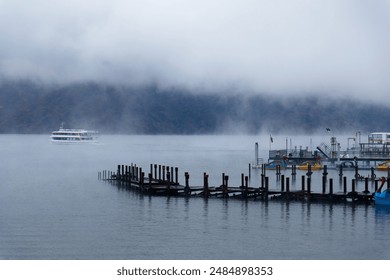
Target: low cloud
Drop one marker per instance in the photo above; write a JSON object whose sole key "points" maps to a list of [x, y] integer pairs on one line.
{"points": [[269, 46]]}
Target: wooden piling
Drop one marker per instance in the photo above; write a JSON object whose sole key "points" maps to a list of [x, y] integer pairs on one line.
{"points": [[205, 185], [262, 181], [373, 175], [309, 172], [142, 176], [287, 185], [330, 186], [324, 178], [293, 170], [225, 187], [242, 186], [325, 171], [130, 174], [168, 181], [187, 189], [323, 184], [366, 185], [246, 185], [341, 171], [187, 178], [345, 184]]}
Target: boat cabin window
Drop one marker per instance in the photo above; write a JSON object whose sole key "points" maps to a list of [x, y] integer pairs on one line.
{"points": [[379, 138]]}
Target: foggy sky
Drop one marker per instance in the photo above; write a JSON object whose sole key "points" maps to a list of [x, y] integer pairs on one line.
{"points": [[268, 46]]}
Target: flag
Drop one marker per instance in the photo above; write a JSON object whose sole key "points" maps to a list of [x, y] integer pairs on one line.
{"points": [[328, 129], [271, 139]]}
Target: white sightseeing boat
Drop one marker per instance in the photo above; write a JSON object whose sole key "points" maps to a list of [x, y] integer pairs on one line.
{"points": [[74, 136]]}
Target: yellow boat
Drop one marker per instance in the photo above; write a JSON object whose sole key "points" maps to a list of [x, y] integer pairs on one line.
{"points": [[383, 166], [314, 166]]}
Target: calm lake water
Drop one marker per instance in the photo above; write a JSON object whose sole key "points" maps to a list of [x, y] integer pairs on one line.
{"points": [[52, 205]]}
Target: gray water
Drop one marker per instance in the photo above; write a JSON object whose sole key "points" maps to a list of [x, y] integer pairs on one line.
{"points": [[52, 206]]}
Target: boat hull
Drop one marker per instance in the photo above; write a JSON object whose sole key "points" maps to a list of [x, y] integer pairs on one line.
{"points": [[72, 142], [383, 167], [306, 167], [273, 165], [382, 198]]}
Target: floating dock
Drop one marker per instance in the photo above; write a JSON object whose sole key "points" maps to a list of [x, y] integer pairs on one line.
{"points": [[374, 153], [163, 181]]}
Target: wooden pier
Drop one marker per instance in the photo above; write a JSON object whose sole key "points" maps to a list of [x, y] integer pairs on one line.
{"points": [[163, 180]]}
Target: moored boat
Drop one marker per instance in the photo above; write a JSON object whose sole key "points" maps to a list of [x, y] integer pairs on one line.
{"points": [[383, 166], [74, 136], [313, 166], [382, 198], [275, 164]]}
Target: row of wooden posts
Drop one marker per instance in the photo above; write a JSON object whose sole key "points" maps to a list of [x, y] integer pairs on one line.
{"points": [[343, 179], [167, 177], [164, 180], [309, 172]]}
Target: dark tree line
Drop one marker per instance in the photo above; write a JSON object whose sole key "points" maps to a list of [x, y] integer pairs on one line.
{"points": [[27, 107]]}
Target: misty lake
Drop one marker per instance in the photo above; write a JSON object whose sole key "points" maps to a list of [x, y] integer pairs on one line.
{"points": [[52, 205]]}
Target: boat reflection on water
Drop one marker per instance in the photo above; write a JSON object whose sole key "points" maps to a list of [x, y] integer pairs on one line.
{"points": [[382, 211]]}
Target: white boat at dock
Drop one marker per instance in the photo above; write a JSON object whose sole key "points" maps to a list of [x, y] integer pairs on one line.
{"points": [[74, 136]]}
